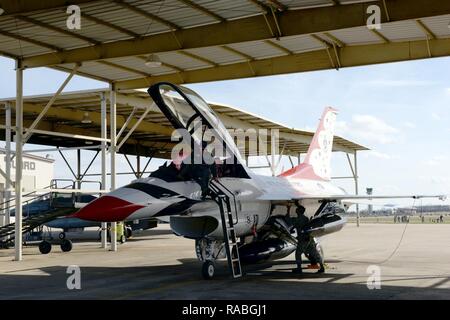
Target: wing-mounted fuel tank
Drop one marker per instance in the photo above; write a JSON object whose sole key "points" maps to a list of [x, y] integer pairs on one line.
{"points": [[326, 220], [203, 220], [325, 224]]}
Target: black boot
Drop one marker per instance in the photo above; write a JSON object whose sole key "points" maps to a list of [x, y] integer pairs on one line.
{"points": [[322, 269], [297, 271]]}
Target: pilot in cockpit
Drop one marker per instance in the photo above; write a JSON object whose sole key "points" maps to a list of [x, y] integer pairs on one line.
{"points": [[189, 165]]}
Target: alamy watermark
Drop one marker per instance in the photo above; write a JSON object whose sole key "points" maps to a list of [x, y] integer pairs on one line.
{"points": [[374, 19], [74, 280], [210, 145], [374, 279], [73, 22]]}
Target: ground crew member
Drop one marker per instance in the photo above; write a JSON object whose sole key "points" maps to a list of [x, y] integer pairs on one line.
{"points": [[120, 232], [305, 243]]}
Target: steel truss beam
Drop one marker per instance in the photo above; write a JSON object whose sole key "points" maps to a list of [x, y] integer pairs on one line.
{"points": [[349, 56], [291, 22]]}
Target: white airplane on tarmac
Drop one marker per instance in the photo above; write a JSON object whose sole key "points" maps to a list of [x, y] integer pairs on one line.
{"points": [[244, 215]]}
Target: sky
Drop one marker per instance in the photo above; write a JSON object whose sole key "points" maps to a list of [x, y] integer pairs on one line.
{"points": [[401, 111]]}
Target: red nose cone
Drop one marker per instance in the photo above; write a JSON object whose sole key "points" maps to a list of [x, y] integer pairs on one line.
{"points": [[107, 209]]}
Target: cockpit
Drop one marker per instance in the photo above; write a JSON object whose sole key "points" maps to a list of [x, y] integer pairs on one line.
{"points": [[204, 146], [170, 172]]}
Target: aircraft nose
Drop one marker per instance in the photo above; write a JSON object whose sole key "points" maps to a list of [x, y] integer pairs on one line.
{"points": [[107, 209]]}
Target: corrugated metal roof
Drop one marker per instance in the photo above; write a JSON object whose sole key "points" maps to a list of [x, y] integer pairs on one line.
{"points": [[124, 18], [217, 54], [138, 64], [404, 30], [19, 48], [301, 43], [182, 61], [143, 17], [299, 4], [175, 12], [355, 36], [230, 9], [439, 25], [258, 49], [104, 71]]}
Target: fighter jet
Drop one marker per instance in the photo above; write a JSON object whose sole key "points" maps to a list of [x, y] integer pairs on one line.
{"points": [[229, 210]]}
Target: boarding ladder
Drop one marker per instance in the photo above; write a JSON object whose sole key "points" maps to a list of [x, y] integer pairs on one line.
{"points": [[222, 196], [59, 207]]}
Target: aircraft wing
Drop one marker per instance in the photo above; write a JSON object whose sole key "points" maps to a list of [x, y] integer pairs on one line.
{"points": [[358, 199], [369, 197]]}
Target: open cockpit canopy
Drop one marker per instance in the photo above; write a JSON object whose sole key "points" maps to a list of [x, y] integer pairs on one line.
{"points": [[203, 138]]}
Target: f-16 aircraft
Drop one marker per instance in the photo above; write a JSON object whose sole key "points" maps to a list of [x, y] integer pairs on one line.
{"points": [[237, 214]]}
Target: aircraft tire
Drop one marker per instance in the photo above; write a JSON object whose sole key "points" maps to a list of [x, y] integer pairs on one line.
{"points": [[45, 247], [66, 245], [208, 270]]}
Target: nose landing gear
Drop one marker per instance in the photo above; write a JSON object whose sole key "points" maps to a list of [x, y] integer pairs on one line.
{"points": [[209, 251], [208, 270]]}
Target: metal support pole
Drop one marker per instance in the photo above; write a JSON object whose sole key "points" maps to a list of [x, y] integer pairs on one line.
{"points": [[131, 166], [104, 134], [89, 166], [67, 163], [127, 122], [112, 102], [138, 166], [274, 149], [78, 169], [130, 132], [146, 165], [272, 153], [355, 161], [19, 141], [49, 104], [78, 178], [292, 162], [8, 161]]}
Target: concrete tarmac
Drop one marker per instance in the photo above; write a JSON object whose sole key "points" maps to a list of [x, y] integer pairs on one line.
{"points": [[159, 265]]}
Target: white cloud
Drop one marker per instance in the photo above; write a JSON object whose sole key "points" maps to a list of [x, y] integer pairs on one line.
{"points": [[435, 116], [410, 125], [432, 162], [440, 180], [369, 128], [398, 83], [379, 155], [436, 160], [436, 180], [309, 128]]}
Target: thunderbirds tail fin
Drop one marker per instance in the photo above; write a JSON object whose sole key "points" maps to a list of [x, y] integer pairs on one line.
{"points": [[317, 164]]}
